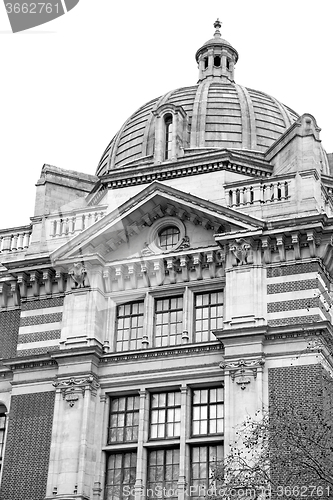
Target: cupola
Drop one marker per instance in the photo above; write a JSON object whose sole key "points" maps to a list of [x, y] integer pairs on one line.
{"points": [[216, 58]]}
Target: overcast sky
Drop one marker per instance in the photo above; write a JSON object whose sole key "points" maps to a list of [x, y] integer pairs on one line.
{"points": [[68, 86]]}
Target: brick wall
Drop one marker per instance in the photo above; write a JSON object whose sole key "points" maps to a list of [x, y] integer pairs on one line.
{"points": [[296, 397], [27, 451], [9, 328]]}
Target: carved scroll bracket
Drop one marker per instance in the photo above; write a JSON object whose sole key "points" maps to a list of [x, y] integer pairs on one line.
{"points": [[72, 388], [243, 371]]}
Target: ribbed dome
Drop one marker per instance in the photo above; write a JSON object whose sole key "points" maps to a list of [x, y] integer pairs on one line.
{"points": [[220, 115]]}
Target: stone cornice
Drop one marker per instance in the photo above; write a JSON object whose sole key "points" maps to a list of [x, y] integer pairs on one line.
{"points": [[188, 166], [181, 350]]}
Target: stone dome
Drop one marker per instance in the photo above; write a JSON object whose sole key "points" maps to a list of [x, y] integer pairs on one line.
{"points": [[220, 114]]}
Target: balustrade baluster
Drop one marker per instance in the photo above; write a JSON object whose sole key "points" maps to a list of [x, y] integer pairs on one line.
{"points": [[241, 196], [14, 243], [20, 241], [26, 240], [275, 191]]}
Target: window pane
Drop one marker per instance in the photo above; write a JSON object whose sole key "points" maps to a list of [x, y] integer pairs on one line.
{"points": [[121, 473], [207, 411], [202, 457], [129, 326], [123, 422]]}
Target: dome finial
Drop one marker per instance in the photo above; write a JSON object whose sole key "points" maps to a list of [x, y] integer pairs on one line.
{"points": [[217, 26]]}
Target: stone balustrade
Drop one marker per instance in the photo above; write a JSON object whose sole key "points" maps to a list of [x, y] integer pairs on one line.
{"points": [[69, 225], [15, 240], [258, 193]]}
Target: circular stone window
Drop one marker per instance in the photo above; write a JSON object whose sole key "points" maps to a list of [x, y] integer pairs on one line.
{"points": [[166, 235]]}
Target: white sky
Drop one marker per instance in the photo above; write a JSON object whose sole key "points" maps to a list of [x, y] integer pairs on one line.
{"points": [[68, 86]]}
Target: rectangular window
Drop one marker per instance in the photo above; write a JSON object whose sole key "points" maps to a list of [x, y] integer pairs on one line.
{"points": [[120, 476], [2, 435], [165, 415], [207, 411], [168, 321], [129, 326], [202, 460], [208, 315], [124, 420], [163, 474]]}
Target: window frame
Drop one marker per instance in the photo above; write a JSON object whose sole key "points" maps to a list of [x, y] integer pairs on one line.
{"points": [[3, 414], [131, 315], [122, 453], [168, 135], [125, 413], [195, 308], [168, 311], [167, 407], [153, 487], [208, 480], [208, 405]]}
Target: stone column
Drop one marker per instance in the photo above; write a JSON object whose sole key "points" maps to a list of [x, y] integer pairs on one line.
{"points": [[141, 464], [183, 436]]}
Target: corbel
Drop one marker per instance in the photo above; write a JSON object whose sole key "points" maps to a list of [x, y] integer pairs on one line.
{"points": [[35, 277], [15, 292], [147, 220], [158, 270], [120, 276], [194, 219], [210, 256], [170, 210], [197, 262], [280, 243], [132, 272], [107, 277], [205, 223], [184, 267], [22, 281], [170, 265], [295, 240], [47, 279], [60, 279], [311, 237], [266, 246], [181, 214], [158, 212], [4, 289]]}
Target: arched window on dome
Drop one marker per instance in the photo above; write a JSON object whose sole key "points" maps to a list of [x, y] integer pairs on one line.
{"points": [[168, 125], [206, 62], [217, 61], [228, 64], [3, 412]]}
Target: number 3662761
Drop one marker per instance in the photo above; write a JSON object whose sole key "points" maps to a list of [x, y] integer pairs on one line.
{"points": [[32, 8]]}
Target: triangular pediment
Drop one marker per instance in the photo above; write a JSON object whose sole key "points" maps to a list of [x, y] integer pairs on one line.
{"points": [[129, 230]]}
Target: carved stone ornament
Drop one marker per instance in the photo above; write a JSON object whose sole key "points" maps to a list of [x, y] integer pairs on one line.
{"points": [[185, 243], [78, 274], [241, 250], [241, 371], [72, 388], [146, 250]]}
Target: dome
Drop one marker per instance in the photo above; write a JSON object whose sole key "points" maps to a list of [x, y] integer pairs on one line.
{"points": [[219, 114]]}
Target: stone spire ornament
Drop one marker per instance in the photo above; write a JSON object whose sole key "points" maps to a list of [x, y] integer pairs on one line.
{"points": [[217, 26]]}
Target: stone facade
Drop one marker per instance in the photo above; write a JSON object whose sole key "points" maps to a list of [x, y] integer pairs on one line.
{"points": [[148, 309]]}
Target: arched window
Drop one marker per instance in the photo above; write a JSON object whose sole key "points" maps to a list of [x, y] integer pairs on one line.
{"points": [[228, 64], [206, 62], [168, 136], [217, 61], [3, 411]]}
